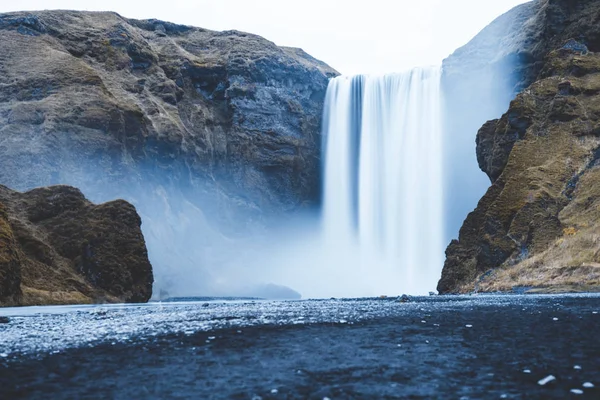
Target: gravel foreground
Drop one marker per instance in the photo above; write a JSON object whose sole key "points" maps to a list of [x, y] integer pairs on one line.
{"points": [[446, 347]]}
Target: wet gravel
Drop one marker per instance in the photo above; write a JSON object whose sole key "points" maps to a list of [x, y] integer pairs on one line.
{"points": [[469, 347]]}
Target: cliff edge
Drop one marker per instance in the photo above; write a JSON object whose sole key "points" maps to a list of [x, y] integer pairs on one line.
{"points": [[536, 228]]}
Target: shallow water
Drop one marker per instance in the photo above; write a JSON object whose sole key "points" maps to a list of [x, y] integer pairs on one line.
{"points": [[431, 347]]}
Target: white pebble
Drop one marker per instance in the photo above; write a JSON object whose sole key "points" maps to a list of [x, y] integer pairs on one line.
{"points": [[399, 345], [588, 385], [424, 322], [469, 326], [554, 319], [3, 355], [343, 321], [427, 341], [274, 391], [577, 367], [211, 338], [595, 312], [326, 398], [527, 371], [546, 380], [504, 396], [576, 391], [436, 324]]}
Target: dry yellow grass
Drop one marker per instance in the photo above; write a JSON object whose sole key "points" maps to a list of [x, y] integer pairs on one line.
{"points": [[33, 296], [571, 262]]}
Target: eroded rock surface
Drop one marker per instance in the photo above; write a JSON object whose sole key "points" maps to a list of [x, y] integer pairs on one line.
{"points": [[58, 248]]}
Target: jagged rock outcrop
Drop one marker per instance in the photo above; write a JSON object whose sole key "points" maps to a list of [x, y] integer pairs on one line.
{"points": [[208, 133], [58, 248], [537, 225]]}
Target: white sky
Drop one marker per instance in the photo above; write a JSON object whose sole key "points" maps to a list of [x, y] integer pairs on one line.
{"points": [[352, 36]]}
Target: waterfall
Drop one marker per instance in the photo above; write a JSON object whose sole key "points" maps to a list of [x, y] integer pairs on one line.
{"points": [[383, 187]]}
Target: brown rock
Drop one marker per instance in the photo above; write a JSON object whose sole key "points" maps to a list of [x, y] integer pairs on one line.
{"points": [[58, 248], [536, 226], [10, 264]]}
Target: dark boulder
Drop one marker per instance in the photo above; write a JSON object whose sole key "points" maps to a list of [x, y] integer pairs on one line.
{"points": [[57, 247]]}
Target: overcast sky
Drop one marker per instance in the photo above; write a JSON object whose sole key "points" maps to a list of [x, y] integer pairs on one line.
{"points": [[352, 36]]}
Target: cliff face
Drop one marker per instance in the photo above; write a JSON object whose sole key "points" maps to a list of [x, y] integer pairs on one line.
{"points": [[203, 131], [95, 88], [536, 225], [58, 248]]}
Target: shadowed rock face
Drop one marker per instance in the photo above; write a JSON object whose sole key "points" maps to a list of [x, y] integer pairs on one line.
{"points": [[537, 224], [95, 90], [210, 132], [58, 248]]}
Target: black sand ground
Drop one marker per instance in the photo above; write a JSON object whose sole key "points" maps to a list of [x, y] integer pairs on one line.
{"points": [[463, 352]]}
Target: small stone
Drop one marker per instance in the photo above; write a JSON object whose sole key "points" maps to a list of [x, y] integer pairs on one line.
{"points": [[554, 319], [546, 380], [205, 305], [577, 367], [575, 46], [211, 338], [594, 312], [564, 88], [4, 320], [427, 341], [469, 326], [588, 385], [527, 371], [274, 391], [404, 298], [3, 355], [424, 322], [576, 391], [343, 321]]}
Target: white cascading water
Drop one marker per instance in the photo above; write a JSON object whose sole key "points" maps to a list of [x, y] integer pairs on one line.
{"points": [[383, 188]]}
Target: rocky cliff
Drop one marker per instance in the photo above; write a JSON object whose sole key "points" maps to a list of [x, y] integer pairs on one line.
{"points": [[536, 226], [209, 134], [58, 248]]}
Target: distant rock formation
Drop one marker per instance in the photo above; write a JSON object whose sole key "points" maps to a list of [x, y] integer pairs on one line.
{"points": [[58, 248], [538, 224], [205, 132]]}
